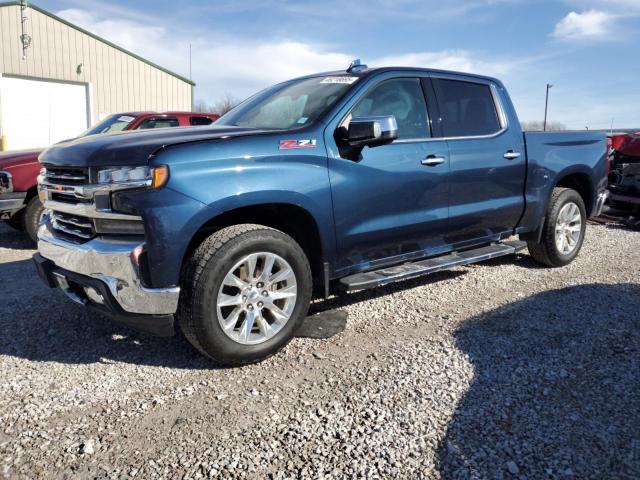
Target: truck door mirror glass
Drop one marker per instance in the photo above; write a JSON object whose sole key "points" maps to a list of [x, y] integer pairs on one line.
{"points": [[366, 132]]}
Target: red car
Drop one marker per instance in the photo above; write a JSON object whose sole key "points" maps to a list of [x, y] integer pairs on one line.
{"points": [[19, 203], [624, 174]]}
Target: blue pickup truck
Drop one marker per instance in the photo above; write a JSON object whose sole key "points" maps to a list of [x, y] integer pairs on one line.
{"points": [[324, 184]]}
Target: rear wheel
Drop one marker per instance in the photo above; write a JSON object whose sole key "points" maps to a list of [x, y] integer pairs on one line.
{"points": [[31, 218], [246, 289], [563, 230]]}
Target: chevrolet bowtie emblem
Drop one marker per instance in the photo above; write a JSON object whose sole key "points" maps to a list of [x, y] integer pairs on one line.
{"points": [[58, 188]]}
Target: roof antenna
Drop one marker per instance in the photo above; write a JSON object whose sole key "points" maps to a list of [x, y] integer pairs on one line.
{"points": [[356, 66]]}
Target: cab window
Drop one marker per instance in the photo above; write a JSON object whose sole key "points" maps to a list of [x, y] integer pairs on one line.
{"points": [[402, 98], [467, 109], [200, 121], [158, 122]]}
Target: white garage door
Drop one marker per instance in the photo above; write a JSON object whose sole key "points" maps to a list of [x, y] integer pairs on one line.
{"points": [[39, 113]]}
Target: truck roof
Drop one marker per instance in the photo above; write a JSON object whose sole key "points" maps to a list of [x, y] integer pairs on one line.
{"points": [[367, 72], [139, 114]]}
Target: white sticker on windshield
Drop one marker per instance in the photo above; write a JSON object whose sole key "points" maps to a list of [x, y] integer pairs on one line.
{"points": [[125, 118], [347, 80], [302, 120]]}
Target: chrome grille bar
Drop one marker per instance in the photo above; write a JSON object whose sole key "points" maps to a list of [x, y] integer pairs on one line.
{"points": [[81, 222], [66, 177], [75, 232], [87, 210]]}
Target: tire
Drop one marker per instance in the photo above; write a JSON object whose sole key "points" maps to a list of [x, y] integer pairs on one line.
{"points": [[547, 252], [203, 283], [31, 218]]}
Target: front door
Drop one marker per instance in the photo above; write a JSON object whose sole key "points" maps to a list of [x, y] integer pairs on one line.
{"points": [[487, 161], [391, 204]]}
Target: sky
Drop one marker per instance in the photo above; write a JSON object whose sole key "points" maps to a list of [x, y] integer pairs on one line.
{"points": [[587, 49]]}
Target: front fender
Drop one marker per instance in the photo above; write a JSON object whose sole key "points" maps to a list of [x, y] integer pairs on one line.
{"points": [[24, 173], [240, 179]]}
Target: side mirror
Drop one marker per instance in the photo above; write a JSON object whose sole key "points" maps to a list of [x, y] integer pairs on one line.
{"points": [[365, 132], [372, 131]]}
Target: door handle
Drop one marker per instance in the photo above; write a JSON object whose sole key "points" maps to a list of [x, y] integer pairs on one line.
{"points": [[511, 155], [432, 161]]}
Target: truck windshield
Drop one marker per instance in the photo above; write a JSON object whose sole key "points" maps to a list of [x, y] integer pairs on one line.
{"points": [[290, 105], [111, 124]]}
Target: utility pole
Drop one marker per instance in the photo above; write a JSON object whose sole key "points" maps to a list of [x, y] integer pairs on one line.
{"points": [[546, 107], [190, 76]]}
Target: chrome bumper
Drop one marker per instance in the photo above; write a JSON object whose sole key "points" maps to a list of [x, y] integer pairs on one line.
{"points": [[600, 201], [10, 203], [109, 261]]}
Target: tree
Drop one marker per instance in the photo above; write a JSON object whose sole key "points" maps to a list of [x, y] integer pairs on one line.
{"points": [[220, 107], [201, 106], [226, 103], [537, 126]]}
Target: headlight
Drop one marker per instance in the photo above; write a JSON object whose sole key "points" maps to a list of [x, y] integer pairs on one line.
{"points": [[124, 174], [6, 182], [151, 176]]}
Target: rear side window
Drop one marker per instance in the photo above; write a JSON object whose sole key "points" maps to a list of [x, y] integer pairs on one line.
{"points": [[467, 109], [402, 98], [158, 122], [200, 121]]}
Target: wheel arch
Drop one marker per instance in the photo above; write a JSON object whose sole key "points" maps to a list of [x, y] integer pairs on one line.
{"points": [[581, 183], [291, 219]]}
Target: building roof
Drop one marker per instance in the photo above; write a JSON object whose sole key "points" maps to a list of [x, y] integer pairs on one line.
{"points": [[100, 39]]}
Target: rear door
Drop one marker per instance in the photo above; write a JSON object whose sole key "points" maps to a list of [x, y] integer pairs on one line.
{"points": [[487, 160], [391, 204]]}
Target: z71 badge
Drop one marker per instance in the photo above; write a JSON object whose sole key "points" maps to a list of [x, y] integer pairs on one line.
{"points": [[289, 144]]}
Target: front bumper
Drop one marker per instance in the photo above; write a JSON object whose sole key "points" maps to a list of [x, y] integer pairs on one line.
{"points": [[11, 203], [621, 198], [101, 273]]}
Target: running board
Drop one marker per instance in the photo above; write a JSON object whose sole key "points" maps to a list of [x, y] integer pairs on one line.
{"points": [[377, 278]]}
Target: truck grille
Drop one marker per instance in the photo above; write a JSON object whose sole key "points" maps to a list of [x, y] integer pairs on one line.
{"points": [[74, 226], [67, 175], [81, 207], [67, 225]]}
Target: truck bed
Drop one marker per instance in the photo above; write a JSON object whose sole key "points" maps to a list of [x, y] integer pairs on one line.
{"points": [[552, 156]]}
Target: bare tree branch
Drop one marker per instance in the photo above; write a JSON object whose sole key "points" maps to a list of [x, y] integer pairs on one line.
{"points": [[220, 107], [537, 126]]}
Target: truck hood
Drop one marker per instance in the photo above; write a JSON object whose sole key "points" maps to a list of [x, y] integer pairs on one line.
{"points": [[18, 158], [133, 147]]}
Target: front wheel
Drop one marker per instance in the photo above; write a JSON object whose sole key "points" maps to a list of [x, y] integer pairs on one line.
{"points": [[563, 230], [245, 291], [31, 218]]}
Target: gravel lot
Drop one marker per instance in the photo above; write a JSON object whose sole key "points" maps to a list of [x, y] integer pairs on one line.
{"points": [[501, 370]]}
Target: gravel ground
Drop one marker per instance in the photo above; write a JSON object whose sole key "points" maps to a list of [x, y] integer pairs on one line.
{"points": [[501, 370]]}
